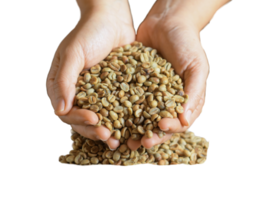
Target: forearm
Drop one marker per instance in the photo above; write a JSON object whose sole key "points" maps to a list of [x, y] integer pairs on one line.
{"points": [[197, 12]]}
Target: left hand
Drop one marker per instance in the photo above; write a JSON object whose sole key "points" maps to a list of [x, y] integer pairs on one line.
{"points": [[179, 43]]}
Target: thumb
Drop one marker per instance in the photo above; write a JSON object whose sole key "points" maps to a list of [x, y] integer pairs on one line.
{"points": [[195, 85], [63, 88]]}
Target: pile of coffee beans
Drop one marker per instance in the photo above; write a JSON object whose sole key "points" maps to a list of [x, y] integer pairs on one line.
{"points": [[131, 90]]}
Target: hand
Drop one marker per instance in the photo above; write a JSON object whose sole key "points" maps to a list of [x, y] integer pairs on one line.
{"points": [[179, 43], [104, 25]]}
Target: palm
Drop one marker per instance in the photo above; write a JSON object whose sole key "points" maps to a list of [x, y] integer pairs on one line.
{"points": [[95, 39], [176, 44], [103, 40], [180, 45], [89, 43]]}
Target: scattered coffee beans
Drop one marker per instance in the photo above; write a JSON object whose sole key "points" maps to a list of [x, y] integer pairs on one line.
{"points": [[182, 148]]}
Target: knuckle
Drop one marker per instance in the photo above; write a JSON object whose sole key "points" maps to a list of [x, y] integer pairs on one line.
{"points": [[61, 81], [60, 84], [73, 52]]}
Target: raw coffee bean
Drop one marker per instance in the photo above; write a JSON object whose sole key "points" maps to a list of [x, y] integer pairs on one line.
{"points": [[179, 109], [179, 99], [116, 156], [117, 124], [117, 135], [113, 115], [138, 113], [124, 86], [141, 130], [94, 160], [153, 104], [141, 79], [134, 98], [165, 113], [118, 109], [123, 148], [154, 111], [148, 133]]}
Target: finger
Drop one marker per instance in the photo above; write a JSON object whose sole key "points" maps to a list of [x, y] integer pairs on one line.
{"points": [[93, 132], [190, 62], [85, 131], [133, 144], [63, 87], [49, 83], [198, 110], [79, 116], [170, 125], [195, 84], [97, 133], [195, 90], [112, 143], [150, 142]]}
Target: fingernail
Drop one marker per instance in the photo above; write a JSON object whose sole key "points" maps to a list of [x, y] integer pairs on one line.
{"points": [[167, 129], [60, 105], [110, 148], [100, 138], [188, 117], [88, 123]]}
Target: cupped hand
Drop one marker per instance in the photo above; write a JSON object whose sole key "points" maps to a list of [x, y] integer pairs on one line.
{"points": [[179, 43], [99, 30]]}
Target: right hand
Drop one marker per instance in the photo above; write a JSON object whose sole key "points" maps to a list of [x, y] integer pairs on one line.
{"points": [[178, 41], [104, 25]]}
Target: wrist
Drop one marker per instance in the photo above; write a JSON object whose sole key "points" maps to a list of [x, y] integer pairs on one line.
{"points": [[193, 13], [92, 6]]}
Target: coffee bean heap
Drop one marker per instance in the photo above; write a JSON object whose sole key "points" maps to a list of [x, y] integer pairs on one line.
{"points": [[131, 90]]}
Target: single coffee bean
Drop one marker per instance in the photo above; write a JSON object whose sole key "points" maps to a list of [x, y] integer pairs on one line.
{"points": [[148, 133]]}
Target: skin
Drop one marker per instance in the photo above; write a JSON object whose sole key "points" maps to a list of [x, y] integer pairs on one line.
{"points": [[180, 45], [98, 31], [172, 27]]}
